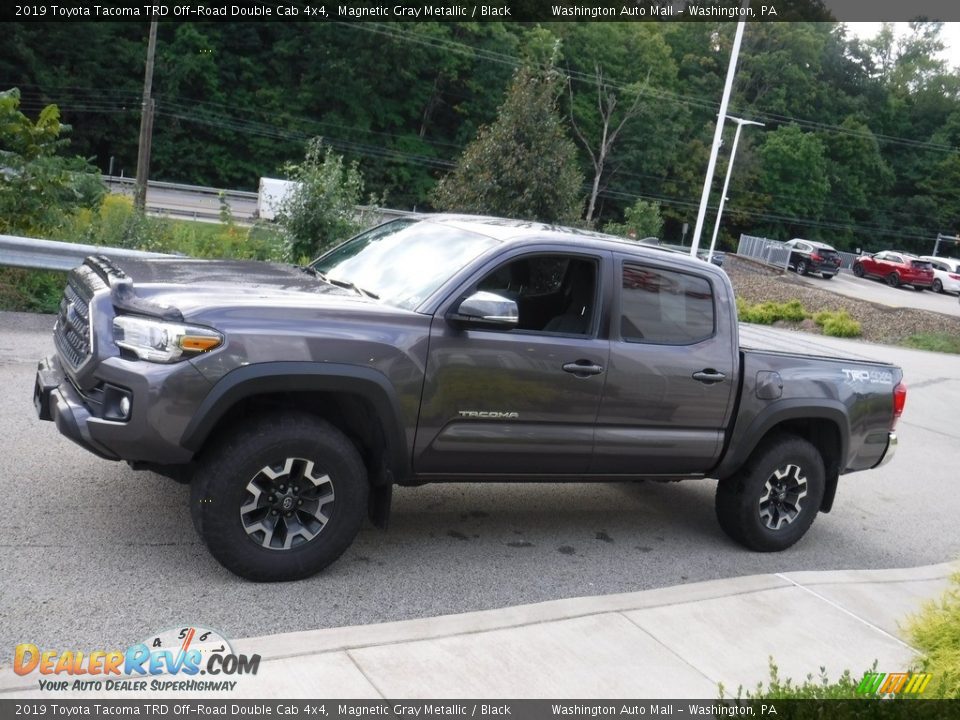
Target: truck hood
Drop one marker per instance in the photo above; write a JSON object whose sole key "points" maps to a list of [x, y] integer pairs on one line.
{"points": [[185, 288], [237, 274]]}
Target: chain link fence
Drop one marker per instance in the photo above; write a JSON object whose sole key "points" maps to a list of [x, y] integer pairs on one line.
{"points": [[770, 252]]}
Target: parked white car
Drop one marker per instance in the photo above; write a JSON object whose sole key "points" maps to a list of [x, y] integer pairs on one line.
{"points": [[946, 273]]}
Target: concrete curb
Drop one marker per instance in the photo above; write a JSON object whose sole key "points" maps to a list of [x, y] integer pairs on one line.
{"points": [[707, 632]]}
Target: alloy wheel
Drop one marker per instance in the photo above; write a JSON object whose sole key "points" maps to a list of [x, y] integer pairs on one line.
{"points": [[287, 504]]}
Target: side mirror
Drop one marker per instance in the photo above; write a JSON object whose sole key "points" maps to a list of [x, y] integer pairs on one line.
{"points": [[486, 309]]}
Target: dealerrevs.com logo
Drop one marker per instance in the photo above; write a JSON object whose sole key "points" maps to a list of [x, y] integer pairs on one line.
{"points": [[173, 660]]}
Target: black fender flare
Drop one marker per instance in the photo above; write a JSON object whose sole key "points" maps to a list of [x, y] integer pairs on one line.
{"points": [[293, 376], [744, 443]]}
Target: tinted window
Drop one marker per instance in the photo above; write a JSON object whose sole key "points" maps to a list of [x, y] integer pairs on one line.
{"points": [[665, 307], [554, 293]]}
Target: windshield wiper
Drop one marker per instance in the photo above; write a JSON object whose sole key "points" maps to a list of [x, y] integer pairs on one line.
{"points": [[349, 286], [339, 283]]}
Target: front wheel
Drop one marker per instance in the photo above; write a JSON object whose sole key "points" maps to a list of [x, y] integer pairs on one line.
{"points": [[279, 499], [858, 270], [773, 500], [937, 286]]}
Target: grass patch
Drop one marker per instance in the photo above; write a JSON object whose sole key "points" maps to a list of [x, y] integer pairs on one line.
{"points": [[936, 341]]}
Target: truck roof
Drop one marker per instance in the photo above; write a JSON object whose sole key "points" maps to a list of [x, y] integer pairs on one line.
{"points": [[519, 231]]}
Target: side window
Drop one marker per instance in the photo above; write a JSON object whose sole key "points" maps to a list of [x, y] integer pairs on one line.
{"points": [[554, 293], [664, 306]]}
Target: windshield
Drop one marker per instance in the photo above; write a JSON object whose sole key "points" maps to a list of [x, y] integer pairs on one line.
{"points": [[404, 261]]}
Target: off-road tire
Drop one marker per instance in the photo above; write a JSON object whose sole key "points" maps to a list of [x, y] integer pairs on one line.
{"points": [[739, 497], [236, 461]]}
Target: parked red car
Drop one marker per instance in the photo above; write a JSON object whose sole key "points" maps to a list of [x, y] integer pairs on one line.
{"points": [[896, 268]]}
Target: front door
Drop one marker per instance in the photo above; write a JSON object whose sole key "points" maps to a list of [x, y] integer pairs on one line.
{"points": [[518, 402]]}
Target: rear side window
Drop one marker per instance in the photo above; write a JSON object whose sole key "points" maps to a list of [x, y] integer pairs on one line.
{"points": [[665, 307]]}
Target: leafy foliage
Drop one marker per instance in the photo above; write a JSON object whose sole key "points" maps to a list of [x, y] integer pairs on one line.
{"points": [[321, 210], [858, 149], [524, 164], [936, 633], [641, 220], [38, 184]]}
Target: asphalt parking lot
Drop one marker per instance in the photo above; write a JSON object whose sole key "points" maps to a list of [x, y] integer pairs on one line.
{"points": [[95, 555], [846, 283]]}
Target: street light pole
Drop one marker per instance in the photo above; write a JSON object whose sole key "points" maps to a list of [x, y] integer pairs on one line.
{"points": [[718, 132], [146, 125], [726, 182]]}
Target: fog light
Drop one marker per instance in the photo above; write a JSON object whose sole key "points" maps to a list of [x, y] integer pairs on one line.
{"points": [[125, 406]]}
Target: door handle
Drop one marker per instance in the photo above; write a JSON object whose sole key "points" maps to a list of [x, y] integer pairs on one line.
{"points": [[582, 368], [709, 376]]}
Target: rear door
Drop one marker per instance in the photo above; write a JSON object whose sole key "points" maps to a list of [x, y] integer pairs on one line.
{"points": [[672, 372]]}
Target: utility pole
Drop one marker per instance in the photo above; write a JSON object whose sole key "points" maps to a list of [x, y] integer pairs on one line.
{"points": [[726, 182], [146, 125], [718, 133]]}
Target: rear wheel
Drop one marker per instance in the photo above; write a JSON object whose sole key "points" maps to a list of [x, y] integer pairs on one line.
{"points": [[893, 280], [775, 497], [802, 267], [280, 499], [858, 270], [937, 286]]}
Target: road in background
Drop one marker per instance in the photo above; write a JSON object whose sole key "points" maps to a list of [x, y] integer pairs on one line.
{"points": [[874, 291], [98, 556]]}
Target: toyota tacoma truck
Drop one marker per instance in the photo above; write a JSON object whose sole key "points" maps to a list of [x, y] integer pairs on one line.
{"points": [[447, 348]]}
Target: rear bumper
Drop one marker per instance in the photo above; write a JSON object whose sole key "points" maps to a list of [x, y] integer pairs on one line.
{"points": [[890, 451]]}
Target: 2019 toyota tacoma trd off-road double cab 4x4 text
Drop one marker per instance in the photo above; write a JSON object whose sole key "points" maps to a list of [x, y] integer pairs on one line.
{"points": [[447, 348]]}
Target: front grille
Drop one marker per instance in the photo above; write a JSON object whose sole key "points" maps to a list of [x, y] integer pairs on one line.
{"points": [[71, 334]]}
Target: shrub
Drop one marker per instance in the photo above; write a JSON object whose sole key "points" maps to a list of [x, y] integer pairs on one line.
{"points": [[767, 313], [837, 323], [936, 633]]}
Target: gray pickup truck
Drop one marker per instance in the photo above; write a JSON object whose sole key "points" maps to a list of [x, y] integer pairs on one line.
{"points": [[447, 348]]}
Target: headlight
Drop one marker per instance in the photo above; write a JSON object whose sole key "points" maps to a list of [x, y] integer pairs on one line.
{"points": [[162, 342]]}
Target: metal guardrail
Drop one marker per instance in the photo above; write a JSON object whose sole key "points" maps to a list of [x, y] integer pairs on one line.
{"points": [[53, 255], [196, 189], [771, 252]]}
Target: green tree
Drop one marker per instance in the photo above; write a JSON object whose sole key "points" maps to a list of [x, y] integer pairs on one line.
{"points": [[641, 220], [322, 208], [523, 165], [795, 177], [39, 185]]}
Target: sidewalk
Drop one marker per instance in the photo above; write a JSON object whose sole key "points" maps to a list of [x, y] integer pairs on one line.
{"points": [[676, 642]]}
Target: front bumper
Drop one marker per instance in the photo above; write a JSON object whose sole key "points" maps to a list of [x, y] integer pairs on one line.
{"points": [[163, 399], [56, 399], [890, 451]]}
